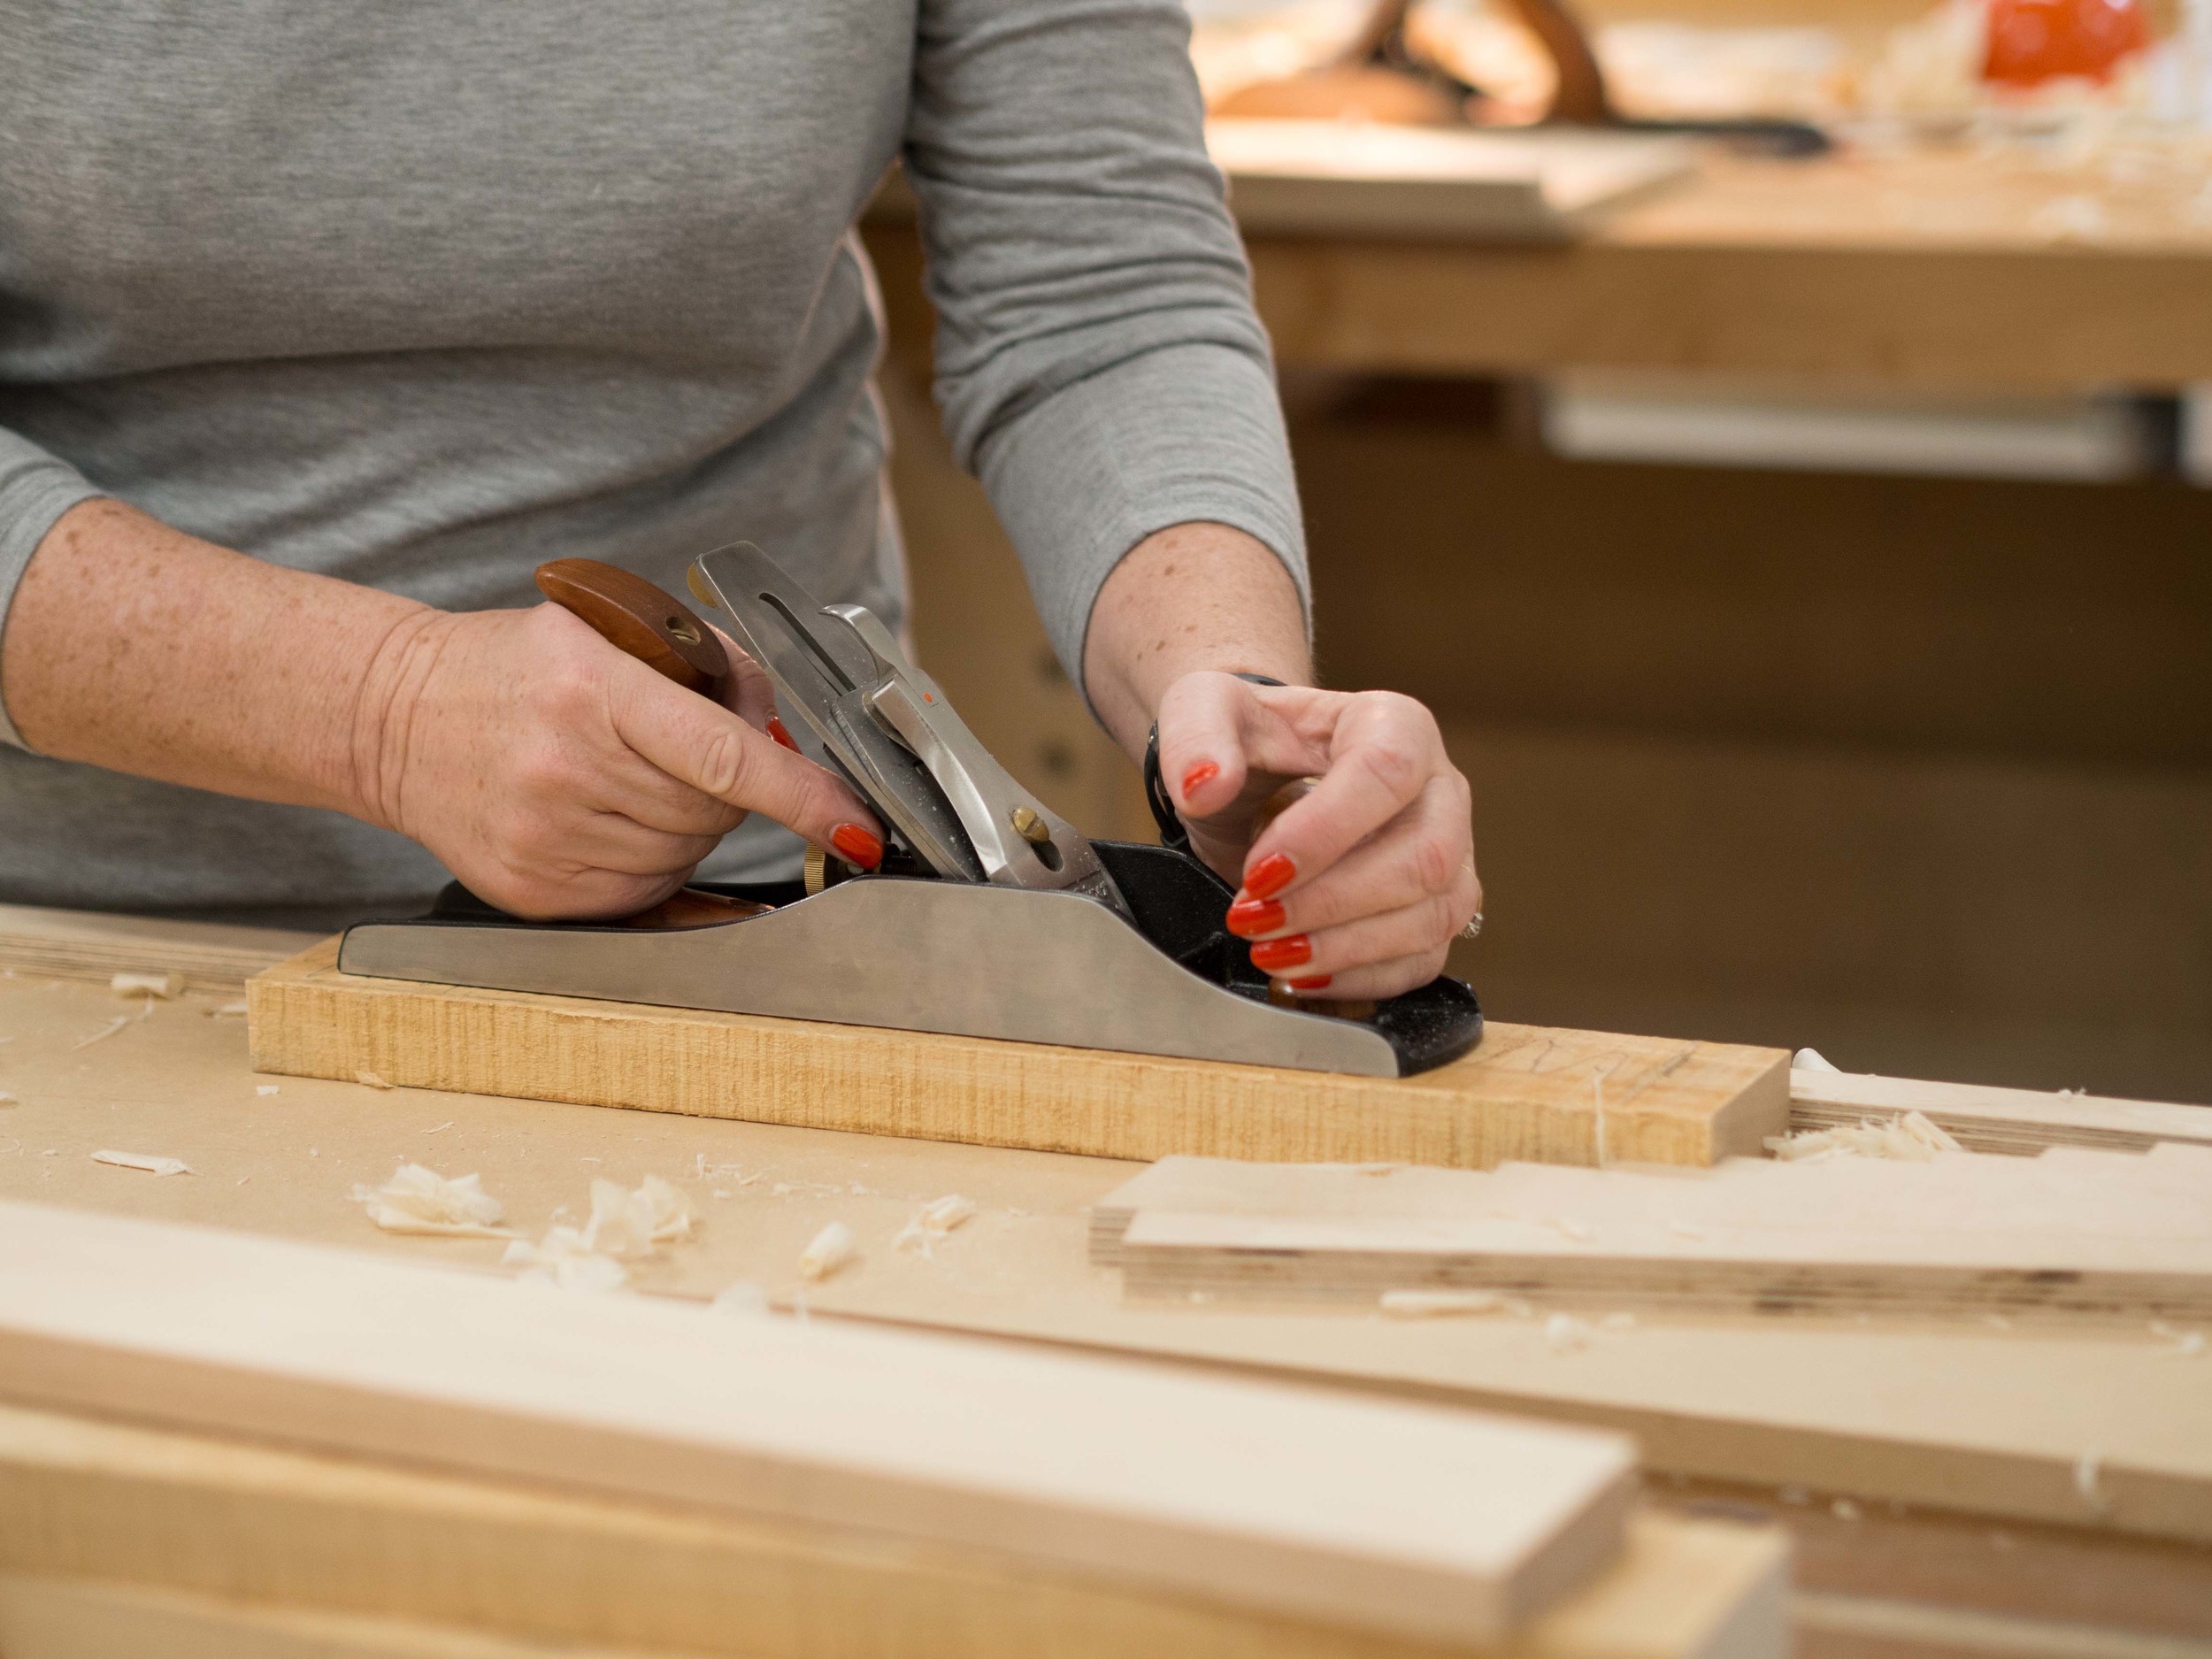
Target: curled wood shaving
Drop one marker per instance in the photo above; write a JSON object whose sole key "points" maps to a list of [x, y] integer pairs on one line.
{"points": [[152, 1163], [165, 986], [421, 1200], [933, 1221], [235, 1009], [371, 1080], [265, 1088], [563, 1258], [637, 1223], [832, 1248], [1911, 1136], [103, 1033], [6, 1099], [1563, 1332]]}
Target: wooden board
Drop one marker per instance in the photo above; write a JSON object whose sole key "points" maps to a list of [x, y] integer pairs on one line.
{"points": [[83, 945], [1438, 1524], [212, 1517], [2073, 1234], [2019, 1121], [1526, 1091], [1972, 1419]]}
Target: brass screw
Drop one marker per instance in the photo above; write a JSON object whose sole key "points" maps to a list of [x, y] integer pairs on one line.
{"points": [[1031, 828]]}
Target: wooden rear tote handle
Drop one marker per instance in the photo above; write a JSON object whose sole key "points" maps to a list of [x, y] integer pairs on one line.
{"points": [[634, 616]]}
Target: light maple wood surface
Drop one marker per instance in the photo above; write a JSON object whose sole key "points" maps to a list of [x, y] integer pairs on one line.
{"points": [[2073, 1234], [1445, 1526], [1968, 1418], [199, 1517], [1526, 1091]]}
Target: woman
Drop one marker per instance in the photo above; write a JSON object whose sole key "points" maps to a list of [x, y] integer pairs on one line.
{"points": [[320, 329]]}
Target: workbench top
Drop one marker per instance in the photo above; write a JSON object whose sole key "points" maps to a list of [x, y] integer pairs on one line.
{"points": [[282, 1155]]}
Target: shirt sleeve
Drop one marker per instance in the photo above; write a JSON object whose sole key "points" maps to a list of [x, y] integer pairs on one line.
{"points": [[35, 490], [1099, 364]]}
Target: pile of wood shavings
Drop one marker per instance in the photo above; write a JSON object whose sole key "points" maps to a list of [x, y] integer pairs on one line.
{"points": [[933, 1222], [625, 1225], [1910, 1137], [421, 1200]]}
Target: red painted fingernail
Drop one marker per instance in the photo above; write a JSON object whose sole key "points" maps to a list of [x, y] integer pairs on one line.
{"points": [[860, 848], [782, 733], [1269, 876], [1204, 772], [1319, 982], [1273, 953], [1249, 917]]}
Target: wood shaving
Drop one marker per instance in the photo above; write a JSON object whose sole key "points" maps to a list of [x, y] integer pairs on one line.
{"points": [[6, 1099], [2188, 1344], [103, 1033], [1569, 1227], [370, 1080], [421, 1200], [933, 1221], [1910, 1136], [164, 986], [1439, 1304], [832, 1248], [265, 1088], [152, 1164], [1844, 1509], [637, 1223], [235, 1009], [439, 1128], [563, 1258]]}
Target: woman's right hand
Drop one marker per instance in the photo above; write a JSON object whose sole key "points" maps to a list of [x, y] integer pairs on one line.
{"points": [[556, 776]]}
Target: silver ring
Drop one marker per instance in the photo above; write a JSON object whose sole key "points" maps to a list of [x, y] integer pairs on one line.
{"points": [[1473, 930]]}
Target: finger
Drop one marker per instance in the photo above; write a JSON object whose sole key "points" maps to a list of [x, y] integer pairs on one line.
{"points": [[1384, 751], [1373, 983], [1421, 928], [1201, 742], [707, 746], [1428, 849], [618, 842]]}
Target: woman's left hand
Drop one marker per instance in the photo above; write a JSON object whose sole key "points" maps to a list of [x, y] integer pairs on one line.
{"points": [[1357, 889]]}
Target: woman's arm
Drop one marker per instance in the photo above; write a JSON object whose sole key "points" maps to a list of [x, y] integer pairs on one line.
{"points": [[552, 775], [1357, 889]]}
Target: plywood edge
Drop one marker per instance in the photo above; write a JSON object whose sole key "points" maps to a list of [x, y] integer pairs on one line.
{"points": [[1526, 1092], [199, 1515]]}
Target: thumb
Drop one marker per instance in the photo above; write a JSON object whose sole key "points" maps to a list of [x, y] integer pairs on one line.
{"points": [[708, 746], [1201, 742]]}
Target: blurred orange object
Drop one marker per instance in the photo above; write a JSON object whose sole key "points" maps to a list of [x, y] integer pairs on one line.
{"points": [[2034, 40]]}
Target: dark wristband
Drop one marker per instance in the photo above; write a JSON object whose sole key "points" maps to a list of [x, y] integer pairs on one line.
{"points": [[1172, 833]]}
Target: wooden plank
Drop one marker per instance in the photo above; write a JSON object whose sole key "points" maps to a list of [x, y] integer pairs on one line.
{"points": [[85, 945], [1970, 1419], [204, 1518], [2019, 1121], [1420, 1521], [1526, 1091], [2073, 1234]]}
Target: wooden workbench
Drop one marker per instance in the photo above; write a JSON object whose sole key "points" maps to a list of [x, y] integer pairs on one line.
{"points": [[1936, 267], [1878, 1575]]}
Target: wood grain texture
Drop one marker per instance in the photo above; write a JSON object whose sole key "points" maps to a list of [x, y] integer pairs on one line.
{"points": [[206, 1518], [1525, 1093], [1419, 1521]]}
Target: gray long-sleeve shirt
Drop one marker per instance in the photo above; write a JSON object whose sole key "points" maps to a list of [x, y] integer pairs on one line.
{"points": [[422, 296]]}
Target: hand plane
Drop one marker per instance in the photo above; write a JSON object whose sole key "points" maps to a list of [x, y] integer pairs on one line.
{"points": [[990, 916]]}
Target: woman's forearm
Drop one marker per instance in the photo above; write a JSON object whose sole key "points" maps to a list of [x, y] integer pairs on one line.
{"points": [[136, 647], [1190, 597]]}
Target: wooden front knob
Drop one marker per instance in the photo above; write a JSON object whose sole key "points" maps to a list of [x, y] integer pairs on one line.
{"points": [[637, 617]]}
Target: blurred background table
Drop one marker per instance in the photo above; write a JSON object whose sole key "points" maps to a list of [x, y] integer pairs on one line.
{"points": [[1915, 768]]}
